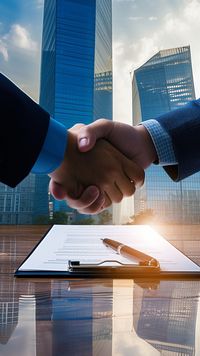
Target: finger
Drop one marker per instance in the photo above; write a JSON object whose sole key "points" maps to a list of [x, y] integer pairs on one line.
{"points": [[98, 206], [126, 186], [107, 202], [88, 135], [77, 127], [134, 172], [56, 190], [88, 197], [113, 192]]}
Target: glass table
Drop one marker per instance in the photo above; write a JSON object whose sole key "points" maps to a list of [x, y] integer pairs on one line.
{"points": [[50, 317]]}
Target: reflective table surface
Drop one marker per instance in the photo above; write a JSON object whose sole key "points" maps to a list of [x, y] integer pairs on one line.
{"points": [[100, 317]]}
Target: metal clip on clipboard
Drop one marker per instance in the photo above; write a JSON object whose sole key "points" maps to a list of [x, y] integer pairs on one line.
{"points": [[111, 268]]}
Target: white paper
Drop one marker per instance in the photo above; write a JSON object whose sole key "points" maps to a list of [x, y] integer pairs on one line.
{"points": [[84, 243]]}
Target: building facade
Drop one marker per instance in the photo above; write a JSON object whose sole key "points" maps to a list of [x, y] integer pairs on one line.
{"points": [[76, 71], [16, 204], [164, 83], [173, 329]]}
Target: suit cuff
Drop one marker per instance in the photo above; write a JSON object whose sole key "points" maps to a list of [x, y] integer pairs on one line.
{"points": [[162, 142], [53, 149]]}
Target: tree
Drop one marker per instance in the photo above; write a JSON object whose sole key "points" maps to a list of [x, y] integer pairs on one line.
{"points": [[41, 220], [85, 221], [59, 217], [105, 218]]}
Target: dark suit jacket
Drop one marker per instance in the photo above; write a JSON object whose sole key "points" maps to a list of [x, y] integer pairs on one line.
{"points": [[183, 126], [24, 125]]}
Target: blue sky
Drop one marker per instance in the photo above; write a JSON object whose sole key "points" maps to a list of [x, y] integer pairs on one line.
{"points": [[140, 29]]}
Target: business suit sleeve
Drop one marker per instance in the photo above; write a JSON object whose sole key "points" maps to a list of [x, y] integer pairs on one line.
{"points": [[24, 126], [183, 126]]}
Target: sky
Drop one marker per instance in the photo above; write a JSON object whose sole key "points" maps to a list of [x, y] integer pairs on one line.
{"points": [[20, 43], [140, 29]]}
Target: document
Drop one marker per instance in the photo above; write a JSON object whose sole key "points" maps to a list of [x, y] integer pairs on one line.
{"points": [[83, 244]]}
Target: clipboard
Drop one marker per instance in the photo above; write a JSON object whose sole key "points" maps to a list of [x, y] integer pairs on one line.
{"points": [[74, 251]]}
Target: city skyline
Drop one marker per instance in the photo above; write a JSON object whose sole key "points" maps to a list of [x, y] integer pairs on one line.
{"points": [[140, 29]]}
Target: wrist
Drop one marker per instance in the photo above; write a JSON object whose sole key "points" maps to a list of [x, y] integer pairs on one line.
{"points": [[148, 151]]}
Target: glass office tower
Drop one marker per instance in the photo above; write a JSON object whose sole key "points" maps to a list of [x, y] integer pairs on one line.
{"points": [[173, 328], [16, 205], [76, 71], [164, 83]]}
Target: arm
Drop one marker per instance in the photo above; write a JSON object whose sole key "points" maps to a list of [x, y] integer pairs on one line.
{"points": [[183, 126], [22, 121]]}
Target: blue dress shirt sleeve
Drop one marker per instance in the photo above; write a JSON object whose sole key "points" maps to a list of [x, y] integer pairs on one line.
{"points": [[162, 142], [53, 149]]}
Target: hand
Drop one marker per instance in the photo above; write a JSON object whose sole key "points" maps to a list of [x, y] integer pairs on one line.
{"points": [[133, 141], [103, 167], [91, 201]]}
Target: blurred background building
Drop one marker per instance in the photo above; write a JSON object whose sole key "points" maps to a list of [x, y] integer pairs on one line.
{"points": [[16, 205], [168, 332]]}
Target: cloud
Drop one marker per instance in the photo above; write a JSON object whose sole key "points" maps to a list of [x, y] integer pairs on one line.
{"points": [[18, 38], [152, 18], [124, 0], [3, 50], [191, 10], [39, 4], [136, 18]]}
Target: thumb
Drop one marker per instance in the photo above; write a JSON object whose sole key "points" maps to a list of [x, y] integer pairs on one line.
{"points": [[86, 139], [88, 135], [56, 190]]}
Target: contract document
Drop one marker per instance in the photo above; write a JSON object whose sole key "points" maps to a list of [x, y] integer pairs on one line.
{"points": [[78, 251]]}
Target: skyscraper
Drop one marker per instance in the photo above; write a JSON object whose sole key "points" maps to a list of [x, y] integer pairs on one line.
{"points": [[16, 204], [164, 83], [76, 71], [173, 328]]}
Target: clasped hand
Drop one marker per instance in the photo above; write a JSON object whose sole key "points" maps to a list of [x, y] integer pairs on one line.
{"points": [[99, 167]]}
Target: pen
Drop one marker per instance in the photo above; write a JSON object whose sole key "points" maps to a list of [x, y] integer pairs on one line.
{"points": [[131, 253]]}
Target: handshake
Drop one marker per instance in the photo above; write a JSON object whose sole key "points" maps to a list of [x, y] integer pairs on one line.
{"points": [[103, 163]]}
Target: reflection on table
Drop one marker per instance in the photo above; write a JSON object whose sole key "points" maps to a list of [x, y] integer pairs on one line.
{"points": [[94, 316]]}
